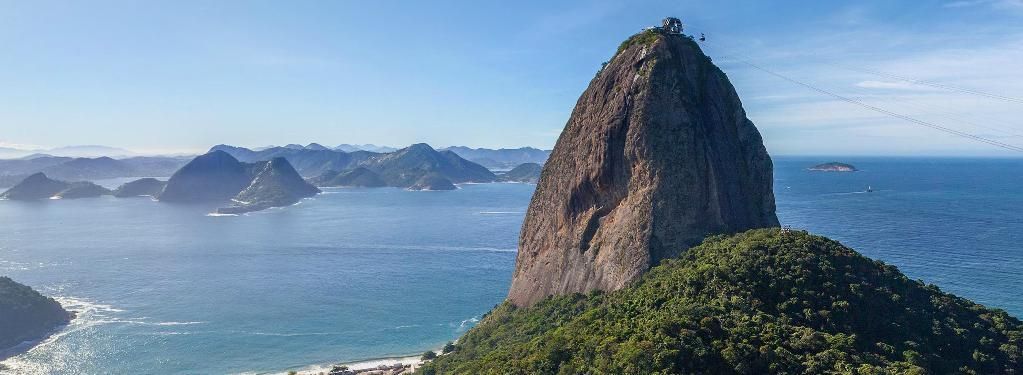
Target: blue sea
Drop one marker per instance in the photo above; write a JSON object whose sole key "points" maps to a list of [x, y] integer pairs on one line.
{"points": [[357, 274]]}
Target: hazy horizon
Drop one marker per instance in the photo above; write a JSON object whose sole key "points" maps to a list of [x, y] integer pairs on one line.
{"points": [[180, 77]]}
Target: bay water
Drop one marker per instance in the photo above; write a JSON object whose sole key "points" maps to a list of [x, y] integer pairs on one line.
{"points": [[357, 274]]}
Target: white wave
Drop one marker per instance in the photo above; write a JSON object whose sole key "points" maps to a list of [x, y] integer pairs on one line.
{"points": [[176, 323], [278, 334], [79, 305], [214, 214], [468, 323]]}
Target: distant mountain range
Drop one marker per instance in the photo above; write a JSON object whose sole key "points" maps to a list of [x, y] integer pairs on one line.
{"points": [[456, 163], [82, 151], [364, 147], [501, 159], [82, 169], [400, 168], [494, 159]]}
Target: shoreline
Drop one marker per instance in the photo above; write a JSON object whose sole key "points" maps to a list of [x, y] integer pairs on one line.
{"points": [[364, 365]]}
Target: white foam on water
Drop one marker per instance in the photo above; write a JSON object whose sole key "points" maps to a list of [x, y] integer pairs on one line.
{"points": [[468, 323], [214, 214]]}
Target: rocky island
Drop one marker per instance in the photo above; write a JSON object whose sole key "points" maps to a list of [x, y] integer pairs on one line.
{"points": [[641, 254], [833, 167], [213, 177], [82, 189], [34, 187], [218, 177], [37, 186], [276, 185], [26, 315], [143, 187]]}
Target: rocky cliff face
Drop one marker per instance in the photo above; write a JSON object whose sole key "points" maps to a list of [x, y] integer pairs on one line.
{"points": [[658, 153]]}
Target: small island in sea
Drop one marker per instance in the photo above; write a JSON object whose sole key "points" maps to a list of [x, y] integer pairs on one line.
{"points": [[833, 167]]}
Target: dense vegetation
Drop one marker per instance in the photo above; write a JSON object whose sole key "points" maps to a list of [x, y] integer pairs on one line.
{"points": [[25, 314], [765, 301]]}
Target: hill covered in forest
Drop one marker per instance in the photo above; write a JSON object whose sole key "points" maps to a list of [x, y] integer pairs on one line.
{"points": [[764, 301]]}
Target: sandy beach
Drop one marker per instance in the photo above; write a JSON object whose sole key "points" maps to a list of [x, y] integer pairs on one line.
{"points": [[362, 367]]}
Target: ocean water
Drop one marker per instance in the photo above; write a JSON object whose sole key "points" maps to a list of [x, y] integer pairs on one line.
{"points": [[355, 274]]}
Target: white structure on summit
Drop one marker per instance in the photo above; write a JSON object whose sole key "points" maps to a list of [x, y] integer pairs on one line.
{"points": [[672, 25]]}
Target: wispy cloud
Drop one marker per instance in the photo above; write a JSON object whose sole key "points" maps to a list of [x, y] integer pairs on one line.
{"points": [[997, 4]]}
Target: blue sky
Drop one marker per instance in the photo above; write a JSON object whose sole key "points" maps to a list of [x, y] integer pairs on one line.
{"points": [[184, 75]]}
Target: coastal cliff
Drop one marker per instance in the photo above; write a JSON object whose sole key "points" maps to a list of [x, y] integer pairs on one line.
{"points": [[658, 154]]}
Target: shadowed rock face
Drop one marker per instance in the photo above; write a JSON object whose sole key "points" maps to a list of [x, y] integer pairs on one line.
{"points": [[215, 176], [658, 153]]}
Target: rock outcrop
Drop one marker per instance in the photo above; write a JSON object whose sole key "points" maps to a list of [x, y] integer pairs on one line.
{"points": [[433, 181], [35, 186], [143, 187], [658, 153], [276, 185], [215, 176], [525, 172], [26, 315]]}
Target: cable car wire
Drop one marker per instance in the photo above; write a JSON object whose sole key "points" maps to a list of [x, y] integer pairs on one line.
{"points": [[879, 109]]}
